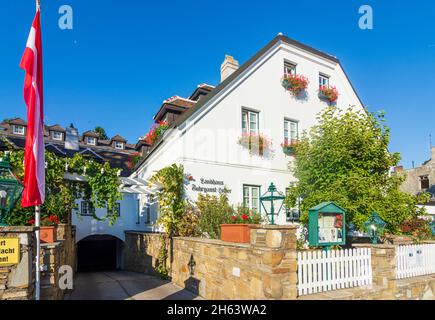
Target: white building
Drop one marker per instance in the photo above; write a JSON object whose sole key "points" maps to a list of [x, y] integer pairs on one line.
{"points": [[250, 98]]}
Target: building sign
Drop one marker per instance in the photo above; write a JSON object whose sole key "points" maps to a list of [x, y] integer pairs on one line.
{"points": [[209, 186], [326, 225], [9, 251]]}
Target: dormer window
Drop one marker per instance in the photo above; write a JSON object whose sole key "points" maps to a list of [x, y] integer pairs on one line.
{"points": [[56, 135], [91, 141], [16, 129], [119, 145]]}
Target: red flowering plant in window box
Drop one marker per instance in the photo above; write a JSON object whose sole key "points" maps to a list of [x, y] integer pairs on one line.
{"points": [[295, 83], [156, 131], [239, 225], [328, 93], [288, 147], [256, 143]]}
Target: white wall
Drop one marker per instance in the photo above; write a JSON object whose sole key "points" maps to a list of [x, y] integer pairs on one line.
{"points": [[207, 143], [87, 226]]}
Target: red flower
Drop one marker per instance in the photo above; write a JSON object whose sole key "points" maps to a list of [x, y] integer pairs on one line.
{"points": [[233, 218], [245, 217]]}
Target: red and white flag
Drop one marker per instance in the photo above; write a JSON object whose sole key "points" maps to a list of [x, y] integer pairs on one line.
{"points": [[34, 158]]}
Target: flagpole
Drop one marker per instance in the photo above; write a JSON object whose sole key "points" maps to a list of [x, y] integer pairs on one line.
{"points": [[37, 231], [38, 253]]}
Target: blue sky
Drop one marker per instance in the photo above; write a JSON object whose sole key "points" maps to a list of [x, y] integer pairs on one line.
{"points": [[123, 58]]}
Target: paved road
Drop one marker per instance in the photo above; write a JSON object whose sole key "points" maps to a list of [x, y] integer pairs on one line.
{"points": [[123, 285]]}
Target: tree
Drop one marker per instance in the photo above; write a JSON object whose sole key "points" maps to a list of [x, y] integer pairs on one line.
{"points": [[101, 133], [345, 159]]}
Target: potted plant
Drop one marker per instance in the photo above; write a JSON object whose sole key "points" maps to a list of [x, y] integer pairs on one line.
{"points": [[288, 147], [295, 83], [328, 93], [239, 225], [48, 228], [256, 143]]}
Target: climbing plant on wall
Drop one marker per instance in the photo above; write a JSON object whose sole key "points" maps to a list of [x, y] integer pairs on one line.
{"points": [[101, 187]]}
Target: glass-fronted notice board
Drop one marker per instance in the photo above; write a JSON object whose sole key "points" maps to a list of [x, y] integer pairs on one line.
{"points": [[330, 227]]}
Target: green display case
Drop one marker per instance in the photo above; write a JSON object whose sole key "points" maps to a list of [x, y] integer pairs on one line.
{"points": [[327, 225]]}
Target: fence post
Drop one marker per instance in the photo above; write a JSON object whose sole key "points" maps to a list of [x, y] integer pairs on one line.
{"points": [[277, 247], [383, 268]]}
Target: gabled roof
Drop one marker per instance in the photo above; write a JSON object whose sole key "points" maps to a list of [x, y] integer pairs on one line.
{"points": [[118, 138], [17, 121], [324, 205], [280, 38], [91, 133], [56, 127], [175, 103], [202, 90]]}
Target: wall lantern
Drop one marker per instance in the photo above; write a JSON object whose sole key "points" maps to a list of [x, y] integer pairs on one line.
{"points": [[326, 225], [191, 265], [10, 189], [271, 200], [375, 226]]}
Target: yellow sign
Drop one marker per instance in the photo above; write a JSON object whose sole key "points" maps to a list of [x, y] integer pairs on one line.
{"points": [[9, 251]]}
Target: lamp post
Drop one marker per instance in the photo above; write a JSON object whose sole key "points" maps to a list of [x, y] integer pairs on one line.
{"points": [[10, 190], [271, 200], [374, 226]]}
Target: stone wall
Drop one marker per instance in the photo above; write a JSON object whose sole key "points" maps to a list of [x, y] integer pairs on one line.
{"points": [[53, 256], [266, 268], [17, 281], [263, 269]]}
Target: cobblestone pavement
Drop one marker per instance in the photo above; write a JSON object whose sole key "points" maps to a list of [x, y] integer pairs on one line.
{"points": [[123, 285]]}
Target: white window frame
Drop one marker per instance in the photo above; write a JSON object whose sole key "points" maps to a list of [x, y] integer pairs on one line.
{"points": [[87, 209], [54, 133], [291, 130], [289, 68], [15, 130], [247, 116], [89, 139], [119, 145], [248, 197], [323, 80]]}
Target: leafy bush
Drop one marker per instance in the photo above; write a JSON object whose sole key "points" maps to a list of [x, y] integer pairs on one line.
{"points": [[418, 229], [188, 225], [214, 211]]}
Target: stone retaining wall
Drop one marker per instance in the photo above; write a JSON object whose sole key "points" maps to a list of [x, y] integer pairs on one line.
{"points": [[266, 268], [263, 269], [17, 281]]}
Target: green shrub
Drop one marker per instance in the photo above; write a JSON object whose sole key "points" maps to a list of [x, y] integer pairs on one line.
{"points": [[214, 211]]}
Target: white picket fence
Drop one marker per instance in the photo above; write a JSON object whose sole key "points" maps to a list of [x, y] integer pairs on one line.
{"points": [[415, 260], [320, 271]]}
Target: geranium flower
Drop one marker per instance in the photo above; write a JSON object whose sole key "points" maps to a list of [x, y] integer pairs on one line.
{"points": [[233, 218], [245, 217]]}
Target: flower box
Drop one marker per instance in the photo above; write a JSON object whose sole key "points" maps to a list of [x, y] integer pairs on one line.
{"points": [[48, 234], [239, 233], [257, 144], [289, 147], [295, 83], [328, 93]]}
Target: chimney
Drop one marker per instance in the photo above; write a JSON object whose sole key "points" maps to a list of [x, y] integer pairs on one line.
{"points": [[72, 138], [228, 67], [433, 153]]}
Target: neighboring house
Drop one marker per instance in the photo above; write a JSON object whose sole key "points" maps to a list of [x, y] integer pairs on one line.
{"points": [[66, 142], [421, 179], [205, 127]]}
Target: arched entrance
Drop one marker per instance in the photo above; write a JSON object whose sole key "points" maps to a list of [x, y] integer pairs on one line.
{"points": [[99, 253]]}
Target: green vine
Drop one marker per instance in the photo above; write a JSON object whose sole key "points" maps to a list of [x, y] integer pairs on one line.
{"points": [[101, 187], [172, 206]]}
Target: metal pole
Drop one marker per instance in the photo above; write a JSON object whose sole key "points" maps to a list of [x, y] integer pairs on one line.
{"points": [[272, 209], [38, 253]]}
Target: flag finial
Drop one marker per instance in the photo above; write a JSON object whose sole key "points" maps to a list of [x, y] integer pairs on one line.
{"points": [[38, 4]]}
